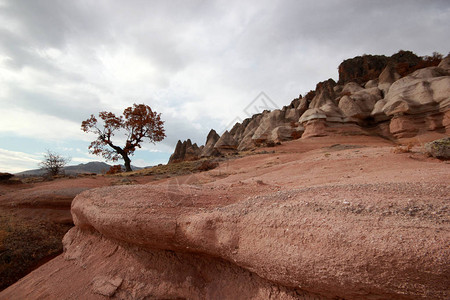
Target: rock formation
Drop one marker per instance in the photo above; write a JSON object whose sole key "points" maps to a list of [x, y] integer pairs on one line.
{"points": [[226, 143], [211, 140], [396, 97], [185, 151]]}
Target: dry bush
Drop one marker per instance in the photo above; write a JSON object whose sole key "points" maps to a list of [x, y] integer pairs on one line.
{"points": [[270, 144], [402, 149], [405, 68], [296, 135], [208, 165], [116, 169]]}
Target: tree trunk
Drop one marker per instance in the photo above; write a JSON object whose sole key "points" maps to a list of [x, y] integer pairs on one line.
{"points": [[127, 161], [124, 155]]}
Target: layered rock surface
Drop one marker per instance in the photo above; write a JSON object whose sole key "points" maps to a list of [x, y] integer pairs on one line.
{"points": [[396, 97], [314, 234]]}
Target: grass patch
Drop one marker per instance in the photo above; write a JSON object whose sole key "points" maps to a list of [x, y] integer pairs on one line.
{"points": [[176, 169]]}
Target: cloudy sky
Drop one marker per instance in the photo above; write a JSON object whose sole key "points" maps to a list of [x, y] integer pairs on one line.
{"points": [[199, 63]]}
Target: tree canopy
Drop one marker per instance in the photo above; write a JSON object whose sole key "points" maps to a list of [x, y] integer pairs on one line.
{"points": [[138, 122]]}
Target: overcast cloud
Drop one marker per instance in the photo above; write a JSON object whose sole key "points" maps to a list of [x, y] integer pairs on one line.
{"points": [[199, 63]]}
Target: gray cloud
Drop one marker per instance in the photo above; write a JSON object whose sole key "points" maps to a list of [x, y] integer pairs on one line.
{"points": [[198, 62]]}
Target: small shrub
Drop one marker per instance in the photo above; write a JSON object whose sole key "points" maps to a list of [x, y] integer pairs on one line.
{"points": [[114, 170], [208, 165], [296, 135], [405, 68], [402, 149]]}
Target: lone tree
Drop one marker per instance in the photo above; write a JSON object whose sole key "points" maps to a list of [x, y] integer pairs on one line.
{"points": [[53, 163], [138, 122]]}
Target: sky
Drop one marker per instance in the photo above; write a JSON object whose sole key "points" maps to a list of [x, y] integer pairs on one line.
{"points": [[201, 64]]}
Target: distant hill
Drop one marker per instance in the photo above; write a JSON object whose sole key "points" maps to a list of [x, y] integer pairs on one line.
{"points": [[90, 167]]}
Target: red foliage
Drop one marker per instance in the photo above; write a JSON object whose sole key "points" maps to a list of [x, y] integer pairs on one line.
{"points": [[114, 170], [405, 68], [139, 122], [296, 135]]}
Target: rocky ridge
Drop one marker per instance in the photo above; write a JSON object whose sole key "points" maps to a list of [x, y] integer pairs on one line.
{"points": [[395, 97]]}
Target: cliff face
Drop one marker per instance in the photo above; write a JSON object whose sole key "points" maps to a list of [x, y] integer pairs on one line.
{"points": [[396, 97]]}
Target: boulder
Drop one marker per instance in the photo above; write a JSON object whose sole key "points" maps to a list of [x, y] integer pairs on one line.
{"points": [[446, 121], [445, 64], [430, 72], [338, 89], [312, 114], [323, 104], [285, 133], [324, 94], [377, 113], [333, 113], [387, 77], [439, 148], [360, 104], [268, 122], [292, 114], [404, 126], [211, 140], [314, 128], [434, 122], [413, 94], [246, 143], [371, 83], [351, 88]]}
